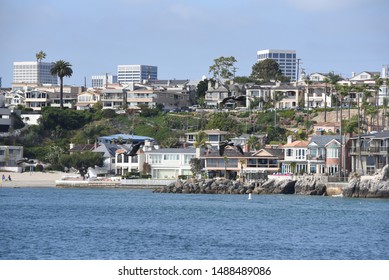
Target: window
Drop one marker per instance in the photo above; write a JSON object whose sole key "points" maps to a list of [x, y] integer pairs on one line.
{"points": [[171, 157], [187, 158], [332, 151], [155, 158], [289, 152]]}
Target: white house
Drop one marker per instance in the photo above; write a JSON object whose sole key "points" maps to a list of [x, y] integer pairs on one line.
{"points": [[295, 156], [170, 163]]}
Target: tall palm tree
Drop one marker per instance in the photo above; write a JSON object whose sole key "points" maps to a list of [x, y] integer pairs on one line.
{"points": [[377, 87], [326, 81], [61, 69], [39, 56], [308, 82]]}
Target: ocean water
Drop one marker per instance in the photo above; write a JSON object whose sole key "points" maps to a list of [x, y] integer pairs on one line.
{"points": [[55, 223]]}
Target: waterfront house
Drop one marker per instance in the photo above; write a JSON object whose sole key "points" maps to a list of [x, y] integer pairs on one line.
{"points": [[9, 157], [323, 154], [251, 165], [169, 163], [369, 152], [295, 156], [128, 164]]}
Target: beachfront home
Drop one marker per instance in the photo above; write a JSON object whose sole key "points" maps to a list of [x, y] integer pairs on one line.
{"points": [[323, 154], [169, 163], [128, 164], [251, 165], [295, 156], [369, 152], [9, 157]]}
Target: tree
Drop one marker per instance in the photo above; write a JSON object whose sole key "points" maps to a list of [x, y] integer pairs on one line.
{"points": [[201, 139], [266, 70], [39, 56], [196, 165], [82, 161], [53, 156], [202, 88], [61, 69], [223, 68]]}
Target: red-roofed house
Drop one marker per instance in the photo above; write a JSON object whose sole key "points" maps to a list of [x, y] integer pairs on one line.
{"points": [[295, 156]]}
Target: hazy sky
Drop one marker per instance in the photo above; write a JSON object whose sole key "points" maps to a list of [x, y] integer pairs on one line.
{"points": [[183, 37]]}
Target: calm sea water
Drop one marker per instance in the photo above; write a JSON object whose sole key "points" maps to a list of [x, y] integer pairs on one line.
{"points": [[52, 223]]}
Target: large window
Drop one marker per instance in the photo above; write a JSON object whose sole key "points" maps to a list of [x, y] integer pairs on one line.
{"points": [[171, 157], [155, 158], [333, 151]]}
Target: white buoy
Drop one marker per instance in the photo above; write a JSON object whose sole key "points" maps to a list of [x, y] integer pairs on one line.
{"points": [[249, 195]]}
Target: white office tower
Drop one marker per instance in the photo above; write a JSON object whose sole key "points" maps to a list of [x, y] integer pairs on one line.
{"points": [[101, 81], [137, 73], [34, 72], [286, 60]]}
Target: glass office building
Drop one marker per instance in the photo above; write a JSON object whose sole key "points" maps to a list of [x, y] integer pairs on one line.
{"points": [[286, 60]]}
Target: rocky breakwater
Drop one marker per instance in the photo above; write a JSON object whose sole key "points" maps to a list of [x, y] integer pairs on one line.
{"points": [[305, 186], [376, 186]]}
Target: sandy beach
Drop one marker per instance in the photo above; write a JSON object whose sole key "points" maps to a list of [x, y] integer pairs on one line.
{"points": [[34, 179]]}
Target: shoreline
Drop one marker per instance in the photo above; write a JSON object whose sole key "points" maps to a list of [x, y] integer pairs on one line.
{"points": [[31, 180]]}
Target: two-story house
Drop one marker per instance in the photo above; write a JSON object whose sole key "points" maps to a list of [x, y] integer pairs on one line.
{"points": [[213, 137], [215, 95], [9, 157], [86, 99], [251, 165], [125, 163], [323, 154], [317, 95], [169, 163], [295, 156], [287, 96]]}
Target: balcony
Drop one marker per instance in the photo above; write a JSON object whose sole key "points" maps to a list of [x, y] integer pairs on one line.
{"points": [[381, 150]]}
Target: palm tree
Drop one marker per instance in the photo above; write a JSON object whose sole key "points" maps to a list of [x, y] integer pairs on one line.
{"points": [[308, 82], [39, 56], [61, 69], [377, 87], [326, 81]]}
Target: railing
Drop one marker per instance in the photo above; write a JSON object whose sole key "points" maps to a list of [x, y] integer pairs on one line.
{"points": [[369, 149]]}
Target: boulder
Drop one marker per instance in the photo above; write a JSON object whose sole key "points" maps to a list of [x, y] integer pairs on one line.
{"points": [[309, 185]]}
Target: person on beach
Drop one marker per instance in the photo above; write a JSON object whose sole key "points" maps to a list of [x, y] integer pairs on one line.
{"points": [[9, 178], [3, 178]]}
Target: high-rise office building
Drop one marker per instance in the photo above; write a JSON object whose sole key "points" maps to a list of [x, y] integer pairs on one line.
{"points": [[34, 73], [137, 73], [286, 60], [101, 81]]}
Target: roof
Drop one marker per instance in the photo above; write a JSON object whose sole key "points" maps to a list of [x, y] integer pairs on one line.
{"points": [[208, 132], [108, 149], [125, 137], [381, 134], [297, 143], [322, 140], [228, 152], [82, 147], [173, 151]]}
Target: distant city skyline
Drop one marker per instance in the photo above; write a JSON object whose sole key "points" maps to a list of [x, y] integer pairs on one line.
{"points": [[182, 38]]}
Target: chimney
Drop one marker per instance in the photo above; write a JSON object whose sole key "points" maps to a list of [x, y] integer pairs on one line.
{"points": [[71, 145], [289, 139]]}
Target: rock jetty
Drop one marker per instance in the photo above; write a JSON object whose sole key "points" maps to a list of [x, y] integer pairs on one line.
{"points": [[375, 187], [226, 186]]}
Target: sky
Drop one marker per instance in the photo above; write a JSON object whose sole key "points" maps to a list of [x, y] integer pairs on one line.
{"points": [[184, 37]]}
